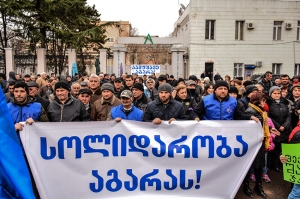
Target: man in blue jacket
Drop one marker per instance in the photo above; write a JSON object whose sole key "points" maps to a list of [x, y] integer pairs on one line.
{"points": [[220, 106], [126, 110]]}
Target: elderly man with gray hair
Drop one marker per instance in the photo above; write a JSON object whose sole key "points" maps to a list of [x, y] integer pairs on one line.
{"points": [[95, 88]]}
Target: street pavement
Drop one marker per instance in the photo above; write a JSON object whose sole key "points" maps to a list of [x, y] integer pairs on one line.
{"points": [[277, 189]]}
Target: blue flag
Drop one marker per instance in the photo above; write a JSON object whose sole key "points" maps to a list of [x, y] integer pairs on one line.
{"points": [[14, 176]]}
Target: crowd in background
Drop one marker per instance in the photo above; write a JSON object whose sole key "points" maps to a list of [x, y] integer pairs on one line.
{"points": [[103, 97]]}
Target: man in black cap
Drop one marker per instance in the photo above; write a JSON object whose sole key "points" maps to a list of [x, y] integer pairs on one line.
{"points": [[33, 88], [164, 107], [162, 79], [118, 85], [27, 78], [197, 92], [139, 98], [85, 97], [65, 108], [250, 90], [172, 81], [219, 106]]}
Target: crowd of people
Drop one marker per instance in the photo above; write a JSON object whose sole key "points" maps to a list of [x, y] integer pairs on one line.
{"points": [[154, 99]]}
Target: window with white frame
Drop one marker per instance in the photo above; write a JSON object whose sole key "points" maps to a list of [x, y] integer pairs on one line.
{"points": [[277, 30], [298, 31], [238, 70], [210, 29], [276, 68], [297, 69], [239, 30], [111, 39]]}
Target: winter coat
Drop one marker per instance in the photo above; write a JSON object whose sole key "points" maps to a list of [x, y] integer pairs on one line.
{"points": [[189, 104], [72, 110], [211, 108], [30, 109], [95, 96], [156, 109], [44, 102], [259, 161], [118, 111], [266, 85], [43, 91], [142, 103], [101, 108], [280, 115]]}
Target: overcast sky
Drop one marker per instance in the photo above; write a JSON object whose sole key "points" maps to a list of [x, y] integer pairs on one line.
{"points": [[156, 17]]}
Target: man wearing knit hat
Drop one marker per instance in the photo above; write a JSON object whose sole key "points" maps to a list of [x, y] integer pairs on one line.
{"points": [[23, 108], [250, 90], [219, 106], [64, 107], [140, 100], [164, 107], [102, 107]]}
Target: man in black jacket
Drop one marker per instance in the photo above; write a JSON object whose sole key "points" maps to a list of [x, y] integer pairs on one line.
{"points": [[64, 107], [266, 82], [33, 88], [164, 107], [139, 98]]}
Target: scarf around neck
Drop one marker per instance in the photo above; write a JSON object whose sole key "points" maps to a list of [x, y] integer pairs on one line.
{"points": [[265, 124]]}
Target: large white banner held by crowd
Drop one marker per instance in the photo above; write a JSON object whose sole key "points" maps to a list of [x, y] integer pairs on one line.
{"points": [[130, 159]]}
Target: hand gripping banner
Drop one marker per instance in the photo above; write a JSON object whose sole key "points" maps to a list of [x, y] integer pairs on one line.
{"points": [[184, 159]]}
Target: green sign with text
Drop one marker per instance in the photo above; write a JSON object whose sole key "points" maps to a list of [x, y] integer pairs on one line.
{"points": [[291, 169]]}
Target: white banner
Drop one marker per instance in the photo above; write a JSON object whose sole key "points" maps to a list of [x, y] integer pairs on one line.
{"points": [[87, 160], [145, 69]]}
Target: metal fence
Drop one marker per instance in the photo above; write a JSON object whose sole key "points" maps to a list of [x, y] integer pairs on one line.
{"points": [[56, 63], [2, 63], [86, 61], [25, 64]]}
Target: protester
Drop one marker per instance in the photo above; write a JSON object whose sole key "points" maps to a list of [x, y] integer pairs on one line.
{"points": [[85, 97], [10, 94], [266, 82], [256, 108], [208, 89], [102, 107], [118, 85], [139, 98], [192, 90], [33, 88], [164, 107], [219, 106], [95, 88], [64, 107], [126, 110], [151, 92], [75, 89], [294, 138], [281, 118], [42, 81], [183, 95]]}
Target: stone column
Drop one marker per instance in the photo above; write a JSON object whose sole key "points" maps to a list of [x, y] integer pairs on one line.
{"points": [[119, 58], [177, 68], [9, 61], [102, 59], [41, 60], [71, 60]]}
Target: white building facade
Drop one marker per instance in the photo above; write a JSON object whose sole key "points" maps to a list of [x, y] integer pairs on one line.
{"points": [[241, 37]]}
